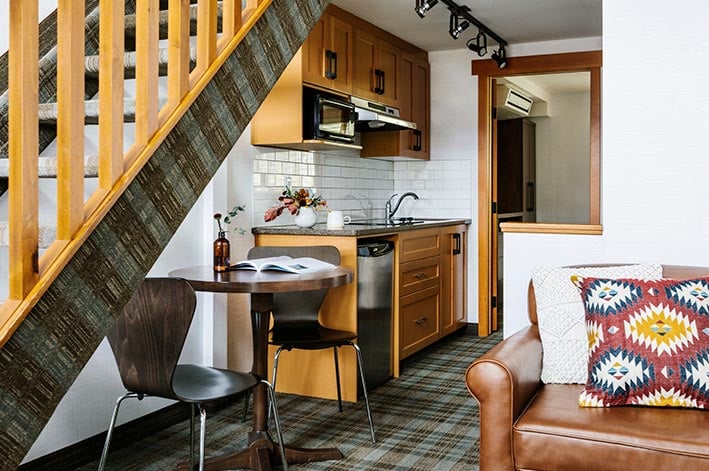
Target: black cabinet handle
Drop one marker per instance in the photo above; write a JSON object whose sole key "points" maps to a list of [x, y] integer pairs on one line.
{"points": [[381, 89], [331, 71], [456, 247], [417, 140], [377, 81], [530, 196]]}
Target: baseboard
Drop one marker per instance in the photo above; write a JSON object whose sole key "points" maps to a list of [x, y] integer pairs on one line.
{"points": [[88, 450]]}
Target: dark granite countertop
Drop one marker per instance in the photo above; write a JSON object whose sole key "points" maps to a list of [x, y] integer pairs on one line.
{"points": [[359, 228]]}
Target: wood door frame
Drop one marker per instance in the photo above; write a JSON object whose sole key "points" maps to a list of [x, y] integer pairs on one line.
{"points": [[487, 71]]}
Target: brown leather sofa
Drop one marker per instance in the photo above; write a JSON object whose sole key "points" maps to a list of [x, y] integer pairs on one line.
{"points": [[527, 425]]}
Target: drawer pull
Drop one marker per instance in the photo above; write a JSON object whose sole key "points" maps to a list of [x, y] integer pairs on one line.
{"points": [[420, 320], [421, 276]]}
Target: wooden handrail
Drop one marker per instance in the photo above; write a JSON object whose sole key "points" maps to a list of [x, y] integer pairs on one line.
{"points": [[30, 275]]}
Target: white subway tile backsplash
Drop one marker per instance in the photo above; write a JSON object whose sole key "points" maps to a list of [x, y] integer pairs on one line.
{"points": [[350, 183], [275, 168]]}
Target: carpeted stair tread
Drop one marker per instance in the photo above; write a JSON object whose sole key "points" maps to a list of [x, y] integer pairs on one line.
{"points": [[47, 234], [48, 166], [129, 62], [48, 111]]}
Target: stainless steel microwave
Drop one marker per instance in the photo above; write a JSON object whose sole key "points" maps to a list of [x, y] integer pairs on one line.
{"points": [[328, 117]]}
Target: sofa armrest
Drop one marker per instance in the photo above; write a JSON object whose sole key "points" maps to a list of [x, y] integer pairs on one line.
{"points": [[504, 381]]}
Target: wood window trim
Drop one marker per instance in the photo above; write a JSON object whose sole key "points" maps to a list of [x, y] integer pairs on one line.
{"points": [[487, 71]]}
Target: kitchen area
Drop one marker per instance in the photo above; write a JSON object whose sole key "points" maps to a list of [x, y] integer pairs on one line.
{"points": [[371, 158]]}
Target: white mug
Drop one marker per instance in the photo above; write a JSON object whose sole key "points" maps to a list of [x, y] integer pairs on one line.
{"points": [[335, 220]]}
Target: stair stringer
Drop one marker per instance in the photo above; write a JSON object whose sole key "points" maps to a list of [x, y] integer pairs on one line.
{"points": [[46, 353]]}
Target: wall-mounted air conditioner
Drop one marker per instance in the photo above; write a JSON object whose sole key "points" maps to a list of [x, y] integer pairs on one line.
{"points": [[512, 103]]}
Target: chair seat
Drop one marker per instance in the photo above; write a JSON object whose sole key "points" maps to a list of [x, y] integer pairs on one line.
{"points": [[193, 383], [310, 337]]}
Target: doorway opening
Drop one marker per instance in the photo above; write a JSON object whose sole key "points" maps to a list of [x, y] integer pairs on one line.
{"points": [[488, 205]]}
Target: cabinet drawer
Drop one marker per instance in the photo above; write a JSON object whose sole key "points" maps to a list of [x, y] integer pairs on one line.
{"points": [[419, 244], [419, 320], [419, 274]]}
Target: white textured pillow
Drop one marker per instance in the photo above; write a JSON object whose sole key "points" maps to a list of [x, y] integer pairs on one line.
{"points": [[560, 315]]}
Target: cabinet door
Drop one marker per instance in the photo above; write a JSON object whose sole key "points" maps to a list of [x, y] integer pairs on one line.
{"points": [[388, 66], [314, 47], [421, 108], [529, 170], [341, 35], [453, 286], [364, 59], [327, 54], [420, 319]]}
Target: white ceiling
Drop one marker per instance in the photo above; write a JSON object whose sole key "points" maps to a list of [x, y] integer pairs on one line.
{"points": [[516, 21]]}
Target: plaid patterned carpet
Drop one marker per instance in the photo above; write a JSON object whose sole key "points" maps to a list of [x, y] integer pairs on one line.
{"points": [[425, 420]]}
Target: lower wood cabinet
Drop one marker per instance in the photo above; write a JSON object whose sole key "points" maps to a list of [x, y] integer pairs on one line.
{"points": [[453, 278], [419, 319], [431, 273]]}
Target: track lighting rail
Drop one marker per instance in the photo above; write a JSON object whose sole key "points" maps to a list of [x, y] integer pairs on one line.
{"points": [[461, 12], [464, 12]]}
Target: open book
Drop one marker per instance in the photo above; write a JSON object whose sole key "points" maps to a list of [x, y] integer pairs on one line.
{"points": [[284, 263]]}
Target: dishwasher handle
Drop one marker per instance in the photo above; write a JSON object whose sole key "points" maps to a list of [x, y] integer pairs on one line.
{"points": [[374, 249]]}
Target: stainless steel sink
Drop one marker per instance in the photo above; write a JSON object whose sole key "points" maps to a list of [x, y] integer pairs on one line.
{"points": [[395, 223]]}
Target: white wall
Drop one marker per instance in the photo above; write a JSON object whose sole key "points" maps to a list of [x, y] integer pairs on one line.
{"points": [[562, 155], [654, 157]]}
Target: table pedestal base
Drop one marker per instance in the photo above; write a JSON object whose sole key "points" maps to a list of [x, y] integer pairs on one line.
{"points": [[262, 453]]}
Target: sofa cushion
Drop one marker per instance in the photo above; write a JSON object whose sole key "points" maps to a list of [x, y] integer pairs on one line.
{"points": [[554, 433], [648, 342], [560, 314]]}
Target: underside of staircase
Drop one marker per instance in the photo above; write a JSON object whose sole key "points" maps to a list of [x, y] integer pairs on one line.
{"points": [[46, 353]]}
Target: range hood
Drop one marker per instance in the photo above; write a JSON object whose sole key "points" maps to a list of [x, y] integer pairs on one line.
{"points": [[372, 116]]}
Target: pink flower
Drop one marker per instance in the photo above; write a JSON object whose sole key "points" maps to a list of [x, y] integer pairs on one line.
{"points": [[272, 213]]}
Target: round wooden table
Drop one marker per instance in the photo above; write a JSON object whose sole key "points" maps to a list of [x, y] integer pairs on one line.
{"points": [[260, 452]]}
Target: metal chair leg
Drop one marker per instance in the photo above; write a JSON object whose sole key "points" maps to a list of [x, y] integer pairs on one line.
{"points": [[275, 366], [202, 434], [109, 433], [277, 420], [275, 374], [337, 380], [192, 436], [364, 389]]}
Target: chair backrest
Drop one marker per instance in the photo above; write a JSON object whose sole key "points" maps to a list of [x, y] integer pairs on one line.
{"points": [[148, 336], [297, 310]]}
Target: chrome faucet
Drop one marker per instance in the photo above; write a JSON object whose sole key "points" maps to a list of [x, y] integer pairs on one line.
{"points": [[390, 212]]}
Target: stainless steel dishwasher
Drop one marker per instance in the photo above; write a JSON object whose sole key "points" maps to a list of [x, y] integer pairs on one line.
{"points": [[374, 309]]}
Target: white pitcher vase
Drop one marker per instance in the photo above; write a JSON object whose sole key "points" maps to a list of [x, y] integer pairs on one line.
{"points": [[306, 217]]}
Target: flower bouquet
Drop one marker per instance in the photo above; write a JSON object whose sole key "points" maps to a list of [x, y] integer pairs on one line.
{"points": [[293, 201]]}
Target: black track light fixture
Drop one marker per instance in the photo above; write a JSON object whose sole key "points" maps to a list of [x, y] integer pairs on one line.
{"points": [[458, 24], [460, 20], [478, 44], [500, 57], [423, 6]]}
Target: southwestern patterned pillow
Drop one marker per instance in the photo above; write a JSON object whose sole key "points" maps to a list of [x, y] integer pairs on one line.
{"points": [[648, 342]]}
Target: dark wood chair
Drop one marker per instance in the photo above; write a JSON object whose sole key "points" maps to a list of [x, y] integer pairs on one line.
{"points": [[296, 324], [147, 340]]}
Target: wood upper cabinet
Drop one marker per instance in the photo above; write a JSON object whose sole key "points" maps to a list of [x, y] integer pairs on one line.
{"points": [[414, 105], [327, 54], [376, 69]]}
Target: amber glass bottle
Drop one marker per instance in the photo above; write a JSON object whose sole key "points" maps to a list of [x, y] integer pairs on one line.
{"points": [[221, 253]]}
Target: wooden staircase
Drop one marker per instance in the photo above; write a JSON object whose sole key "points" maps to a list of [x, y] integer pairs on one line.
{"points": [[62, 300]]}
